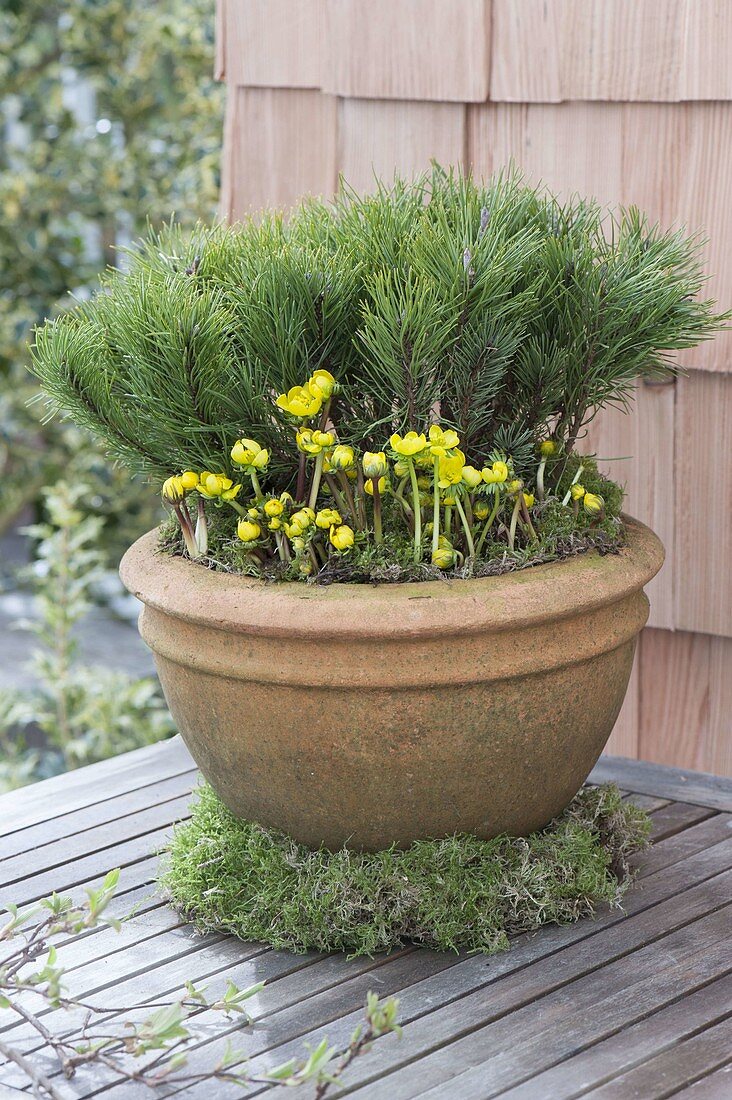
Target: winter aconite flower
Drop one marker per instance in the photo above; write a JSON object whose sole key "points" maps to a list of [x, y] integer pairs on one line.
{"points": [[443, 557], [173, 490], [408, 445], [374, 464], [528, 499], [248, 530], [342, 537], [481, 509], [442, 441], [312, 442], [322, 384], [471, 477], [273, 507], [495, 474], [300, 402], [577, 491], [342, 458], [593, 503], [450, 469], [547, 448], [189, 479], [213, 486], [382, 486], [328, 517], [248, 453]]}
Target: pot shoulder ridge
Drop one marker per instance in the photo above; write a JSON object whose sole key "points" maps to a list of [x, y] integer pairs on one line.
{"points": [[556, 590]]}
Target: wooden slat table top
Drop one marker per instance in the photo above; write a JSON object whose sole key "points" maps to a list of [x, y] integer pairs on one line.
{"points": [[636, 1003]]}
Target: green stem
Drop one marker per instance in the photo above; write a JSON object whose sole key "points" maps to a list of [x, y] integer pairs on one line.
{"points": [[489, 522], [526, 517], [341, 502], [345, 485], [436, 508], [237, 507], [514, 521], [317, 473], [466, 526], [255, 484], [377, 510], [540, 479], [574, 481], [417, 512]]}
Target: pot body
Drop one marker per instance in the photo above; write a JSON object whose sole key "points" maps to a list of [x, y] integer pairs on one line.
{"points": [[372, 716]]}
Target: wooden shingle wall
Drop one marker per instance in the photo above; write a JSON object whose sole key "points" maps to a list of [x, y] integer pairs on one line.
{"points": [[626, 100]]}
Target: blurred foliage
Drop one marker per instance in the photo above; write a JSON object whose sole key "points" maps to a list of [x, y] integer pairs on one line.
{"points": [[78, 713], [109, 118]]}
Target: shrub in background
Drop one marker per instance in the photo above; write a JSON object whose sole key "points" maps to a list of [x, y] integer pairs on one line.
{"points": [[111, 117]]}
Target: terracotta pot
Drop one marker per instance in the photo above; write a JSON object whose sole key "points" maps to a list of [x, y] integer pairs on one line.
{"points": [[376, 715]]}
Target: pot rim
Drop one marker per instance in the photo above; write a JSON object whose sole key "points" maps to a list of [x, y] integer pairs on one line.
{"points": [[236, 603]]}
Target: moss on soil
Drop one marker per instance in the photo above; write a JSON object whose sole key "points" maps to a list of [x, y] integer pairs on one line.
{"points": [[452, 894]]}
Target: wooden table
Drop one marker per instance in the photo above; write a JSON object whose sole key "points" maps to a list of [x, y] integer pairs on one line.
{"points": [[637, 1003]]}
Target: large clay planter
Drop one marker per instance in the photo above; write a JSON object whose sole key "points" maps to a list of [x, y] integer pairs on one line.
{"points": [[373, 715]]}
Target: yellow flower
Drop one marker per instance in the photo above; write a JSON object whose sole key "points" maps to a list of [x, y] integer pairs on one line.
{"points": [[248, 453], [495, 474], [369, 486], [547, 447], [408, 445], [577, 491], [189, 479], [481, 510], [173, 490], [253, 513], [342, 457], [528, 499], [300, 402], [401, 468], [593, 503], [515, 485], [342, 537], [273, 507], [448, 500], [442, 441], [312, 442], [321, 384], [299, 522], [472, 477], [328, 517], [374, 464], [443, 557], [450, 469], [212, 486], [248, 531], [298, 543], [275, 523]]}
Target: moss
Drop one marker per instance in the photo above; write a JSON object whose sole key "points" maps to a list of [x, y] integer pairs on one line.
{"points": [[459, 893], [559, 535]]}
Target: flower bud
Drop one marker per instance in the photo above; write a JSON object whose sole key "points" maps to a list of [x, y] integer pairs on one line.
{"points": [[443, 557], [328, 517], [342, 457], [577, 491], [471, 477], [342, 537], [189, 479], [173, 490], [273, 507], [593, 503], [322, 384], [374, 464], [248, 531], [547, 447], [528, 499], [481, 510]]}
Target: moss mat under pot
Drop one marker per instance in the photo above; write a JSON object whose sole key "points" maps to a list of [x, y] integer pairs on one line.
{"points": [[457, 893]]}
